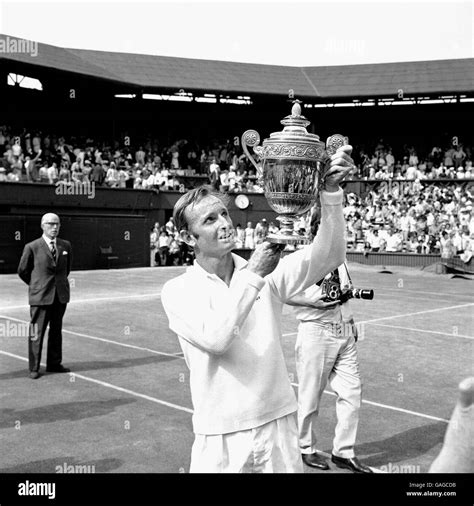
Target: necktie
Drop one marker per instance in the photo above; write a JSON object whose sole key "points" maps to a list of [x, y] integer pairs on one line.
{"points": [[53, 250]]}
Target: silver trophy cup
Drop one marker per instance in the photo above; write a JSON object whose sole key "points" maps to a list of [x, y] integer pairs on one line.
{"points": [[291, 166]]}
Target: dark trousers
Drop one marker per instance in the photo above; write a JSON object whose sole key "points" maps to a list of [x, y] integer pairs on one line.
{"points": [[40, 317]]}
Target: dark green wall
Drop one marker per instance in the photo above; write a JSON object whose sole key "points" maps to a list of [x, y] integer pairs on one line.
{"points": [[121, 218]]}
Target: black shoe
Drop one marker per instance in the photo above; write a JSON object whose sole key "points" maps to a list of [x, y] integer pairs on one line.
{"points": [[315, 460], [57, 368], [353, 464], [34, 375]]}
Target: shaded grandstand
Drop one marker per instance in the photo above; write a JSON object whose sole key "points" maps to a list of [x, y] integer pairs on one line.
{"points": [[115, 97]]}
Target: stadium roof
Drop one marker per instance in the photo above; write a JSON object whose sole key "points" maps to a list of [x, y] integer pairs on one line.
{"points": [[147, 72]]}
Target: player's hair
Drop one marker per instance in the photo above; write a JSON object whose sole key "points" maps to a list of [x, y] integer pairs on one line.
{"points": [[191, 198]]}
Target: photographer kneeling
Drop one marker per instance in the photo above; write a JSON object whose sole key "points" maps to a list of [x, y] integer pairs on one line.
{"points": [[326, 351]]}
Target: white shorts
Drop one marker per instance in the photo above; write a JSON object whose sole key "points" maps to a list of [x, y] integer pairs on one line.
{"points": [[270, 448]]}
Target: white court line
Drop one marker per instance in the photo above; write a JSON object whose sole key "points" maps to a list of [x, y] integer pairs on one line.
{"points": [[420, 330], [136, 394], [401, 315], [176, 355], [440, 294], [392, 408], [133, 393], [110, 341], [419, 312], [154, 294], [109, 385], [406, 296]]}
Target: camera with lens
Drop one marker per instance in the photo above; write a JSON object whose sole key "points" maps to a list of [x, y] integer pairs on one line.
{"points": [[331, 291], [357, 293]]}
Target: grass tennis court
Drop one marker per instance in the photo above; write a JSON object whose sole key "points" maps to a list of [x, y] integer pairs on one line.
{"points": [[126, 406]]}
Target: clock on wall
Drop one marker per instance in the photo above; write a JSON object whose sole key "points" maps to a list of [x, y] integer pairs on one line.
{"points": [[242, 201]]}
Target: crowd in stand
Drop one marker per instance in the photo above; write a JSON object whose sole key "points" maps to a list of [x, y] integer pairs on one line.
{"points": [[414, 217], [452, 162], [37, 157], [422, 220], [52, 159]]}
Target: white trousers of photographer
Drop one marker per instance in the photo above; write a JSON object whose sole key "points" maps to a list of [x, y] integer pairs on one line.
{"points": [[324, 355]]}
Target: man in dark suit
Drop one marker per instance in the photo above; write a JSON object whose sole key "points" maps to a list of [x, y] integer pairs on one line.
{"points": [[44, 266]]}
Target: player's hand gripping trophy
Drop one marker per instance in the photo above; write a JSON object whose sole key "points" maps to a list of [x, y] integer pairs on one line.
{"points": [[291, 169]]}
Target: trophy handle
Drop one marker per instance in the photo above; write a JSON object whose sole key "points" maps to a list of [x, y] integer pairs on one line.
{"points": [[252, 138]]}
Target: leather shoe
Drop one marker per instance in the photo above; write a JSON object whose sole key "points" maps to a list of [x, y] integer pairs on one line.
{"points": [[34, 375], [315, 460], [353, 464], [58, 368]]}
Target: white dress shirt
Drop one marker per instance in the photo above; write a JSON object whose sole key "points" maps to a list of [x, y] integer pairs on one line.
{"points": [[49, 241]]}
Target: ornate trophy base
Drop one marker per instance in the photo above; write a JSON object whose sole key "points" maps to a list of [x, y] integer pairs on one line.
{"points": [[286, 238], [287, 234]]}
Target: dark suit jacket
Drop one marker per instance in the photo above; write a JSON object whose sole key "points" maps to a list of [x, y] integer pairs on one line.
{"points": [[42, 274]]}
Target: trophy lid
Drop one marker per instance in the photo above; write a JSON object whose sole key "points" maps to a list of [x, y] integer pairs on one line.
{"points": [[294, 141]]}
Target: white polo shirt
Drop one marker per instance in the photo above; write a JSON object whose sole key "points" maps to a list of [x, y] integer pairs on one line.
{"points": [[245, 384]]}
